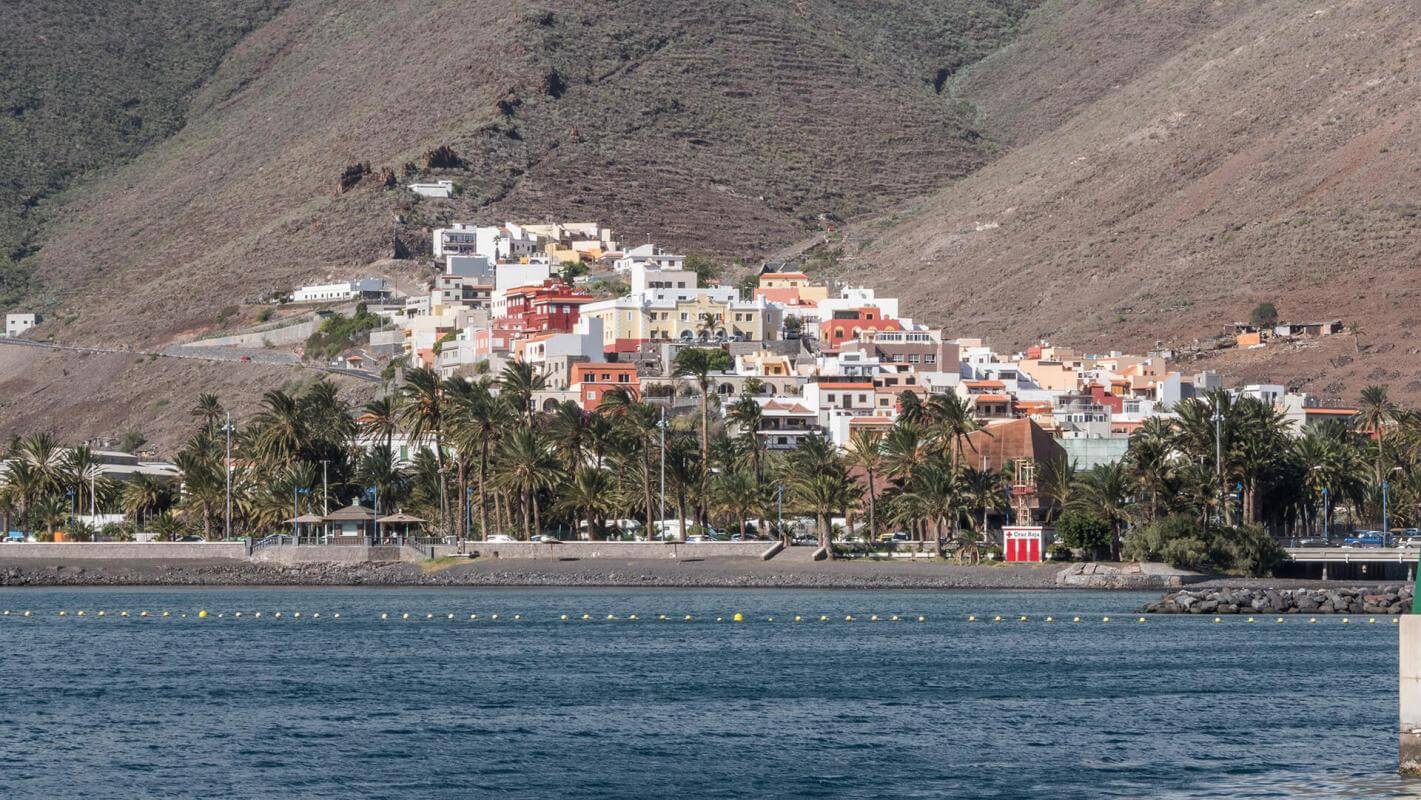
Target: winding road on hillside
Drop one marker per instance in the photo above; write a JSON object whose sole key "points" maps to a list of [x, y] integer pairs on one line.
{"points": [[219, 354]]}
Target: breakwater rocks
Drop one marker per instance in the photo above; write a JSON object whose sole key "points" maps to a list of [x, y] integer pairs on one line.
{"points": [[1144, 575], [1367, 600]]}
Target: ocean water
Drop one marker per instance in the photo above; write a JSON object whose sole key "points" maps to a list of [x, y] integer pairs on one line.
{"points": [[113, 707]]}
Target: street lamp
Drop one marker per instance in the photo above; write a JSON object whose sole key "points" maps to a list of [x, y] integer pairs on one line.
{"points": [[296, 492]]}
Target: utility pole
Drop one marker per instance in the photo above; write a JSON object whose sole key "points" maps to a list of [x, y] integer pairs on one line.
{"points": [[228, 524], [662, 428]]}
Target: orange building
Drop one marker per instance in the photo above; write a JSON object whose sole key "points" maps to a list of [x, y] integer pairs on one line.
{"points": [[593, 380]]}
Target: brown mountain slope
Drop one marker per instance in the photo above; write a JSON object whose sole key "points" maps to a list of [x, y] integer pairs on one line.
{"points": [[1178, 163], [725, 126]]}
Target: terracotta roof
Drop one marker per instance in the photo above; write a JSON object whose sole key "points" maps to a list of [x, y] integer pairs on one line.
{"points": [[992, 398], [1336, 411], [985, 384], [828, 386]]}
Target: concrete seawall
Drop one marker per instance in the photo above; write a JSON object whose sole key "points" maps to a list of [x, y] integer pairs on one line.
{"points": [[331, 554], [124, 550], [591, 550]]}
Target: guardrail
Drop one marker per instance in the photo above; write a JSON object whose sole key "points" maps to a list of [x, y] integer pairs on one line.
{"points": [[1350, 555]]}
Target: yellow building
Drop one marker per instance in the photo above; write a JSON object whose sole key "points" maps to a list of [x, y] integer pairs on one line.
{"points": [[627, 322]]}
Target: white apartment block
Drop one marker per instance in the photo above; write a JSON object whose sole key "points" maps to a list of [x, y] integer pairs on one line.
{"points": [[364, 289], [437, 189]]}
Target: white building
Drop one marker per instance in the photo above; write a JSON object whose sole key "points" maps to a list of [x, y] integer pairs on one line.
{"points": [[468, 266], [648, 255], [16, 324], [439, 189], [364, 289]]}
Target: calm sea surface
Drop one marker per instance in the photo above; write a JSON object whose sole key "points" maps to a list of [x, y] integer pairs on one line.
{"points": [[101, 707]]}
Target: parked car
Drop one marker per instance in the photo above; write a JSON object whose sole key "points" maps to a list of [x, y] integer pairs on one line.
{"points": [[192, 537], [1314, 543], [500, 537], [545, 539], [1363, 539]]}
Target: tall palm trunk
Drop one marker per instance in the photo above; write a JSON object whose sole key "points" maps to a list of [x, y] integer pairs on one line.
{"points": [[826, 535], [527, 520], [443, 479], [646, 484], [537, 520], [463, 526], [872, 510], [483, 480]]}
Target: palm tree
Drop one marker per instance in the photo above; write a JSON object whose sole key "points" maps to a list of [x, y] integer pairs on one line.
{"points": [[279, 429], [699, 363], [140, 497], [477, 419], [380, 419], [209, 412], [422, 414], [1151, 454], [1375, 417], [904, 451], [588, 497], [527, 467], [733, 491], [569, 431], [865, 452], [1106, 493], [1057, 484], [951, 420], [823, 493], [517, 382]]}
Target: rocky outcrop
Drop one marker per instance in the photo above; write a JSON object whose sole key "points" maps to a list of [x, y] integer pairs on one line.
{"points": [[1366, 600], [1146, 575]]}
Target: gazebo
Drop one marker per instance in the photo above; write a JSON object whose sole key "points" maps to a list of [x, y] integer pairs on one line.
{"points": [[402, 519], [354, 521], [302, 525]]}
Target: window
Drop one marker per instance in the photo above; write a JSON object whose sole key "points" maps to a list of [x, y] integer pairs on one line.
{"points": [[591, 394], [929, 359], [913, 358]]}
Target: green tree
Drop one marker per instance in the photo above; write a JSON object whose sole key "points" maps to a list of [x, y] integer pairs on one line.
{"points": [[1264, 315], [1080, 530]]}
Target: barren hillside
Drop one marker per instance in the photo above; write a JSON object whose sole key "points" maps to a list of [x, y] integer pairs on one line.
{"points": [[1177, 163], [728, 127]]}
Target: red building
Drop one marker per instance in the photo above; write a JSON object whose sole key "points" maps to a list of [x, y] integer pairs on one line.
{"points": [[551, 306], [593, 380], [847, 325]]}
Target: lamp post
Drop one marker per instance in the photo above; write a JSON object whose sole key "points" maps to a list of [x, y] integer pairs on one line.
{"points": [[661, 427], [296, 492]]}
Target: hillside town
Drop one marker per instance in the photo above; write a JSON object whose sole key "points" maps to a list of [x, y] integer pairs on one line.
{"points": [[818, 357]]}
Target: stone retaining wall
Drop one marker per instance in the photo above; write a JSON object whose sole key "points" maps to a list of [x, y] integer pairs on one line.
{"points": [[589, 550], [124, 550], [329, 554]]}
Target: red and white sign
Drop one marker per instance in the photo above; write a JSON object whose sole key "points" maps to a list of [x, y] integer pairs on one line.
{"points": [[1025, 543]]}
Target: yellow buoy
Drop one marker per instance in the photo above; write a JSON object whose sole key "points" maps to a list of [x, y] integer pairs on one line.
{"points": [[688, 617], [384, 616], [1075, 619], [1250, 619], [769, 619], [429, 616], [1218, 619], [517, 617], [101, 613], [893, 618], [922, 619], [1312, 620], [238, 614], [296, 615], [144, 614], [63, 613], [738, 617], [1280, 620], [258, 615], [406, 616], [1048, 619], [277, 615], [849, 618], [662, 618], [495, 616], [587, 616], [1142, 619], [1371, 620], [1396, 620], [873, 618], [165, 613], [611, 616], [971, 618], [81, 613], [997, 618], [823, 617], [123, 613], [1345, 620], [564, 617], [202, 615], [796, 618], [1021, 619], [720, 619], [7, 612], [316, 615], [633, 616], [1105, 619], [27, 613], [336, 616], [451, 616]]}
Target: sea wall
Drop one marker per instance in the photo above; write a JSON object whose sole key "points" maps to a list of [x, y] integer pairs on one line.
{"points": [[589, 550], [330, 554], [1367, 600], [123, 550]]}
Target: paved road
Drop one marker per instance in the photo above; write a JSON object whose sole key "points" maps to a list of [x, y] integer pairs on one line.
{"points": [[219, 354]]}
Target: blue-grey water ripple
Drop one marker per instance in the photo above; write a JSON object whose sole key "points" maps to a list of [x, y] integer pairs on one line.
{"points": [[110, 707]]}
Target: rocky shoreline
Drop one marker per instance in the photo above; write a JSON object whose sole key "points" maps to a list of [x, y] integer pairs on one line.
{"points": [[711, 573], [1395, 599]]}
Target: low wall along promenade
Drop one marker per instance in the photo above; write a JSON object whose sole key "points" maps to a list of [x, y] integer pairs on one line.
{"points": [[581, 550], [125, 550]]}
